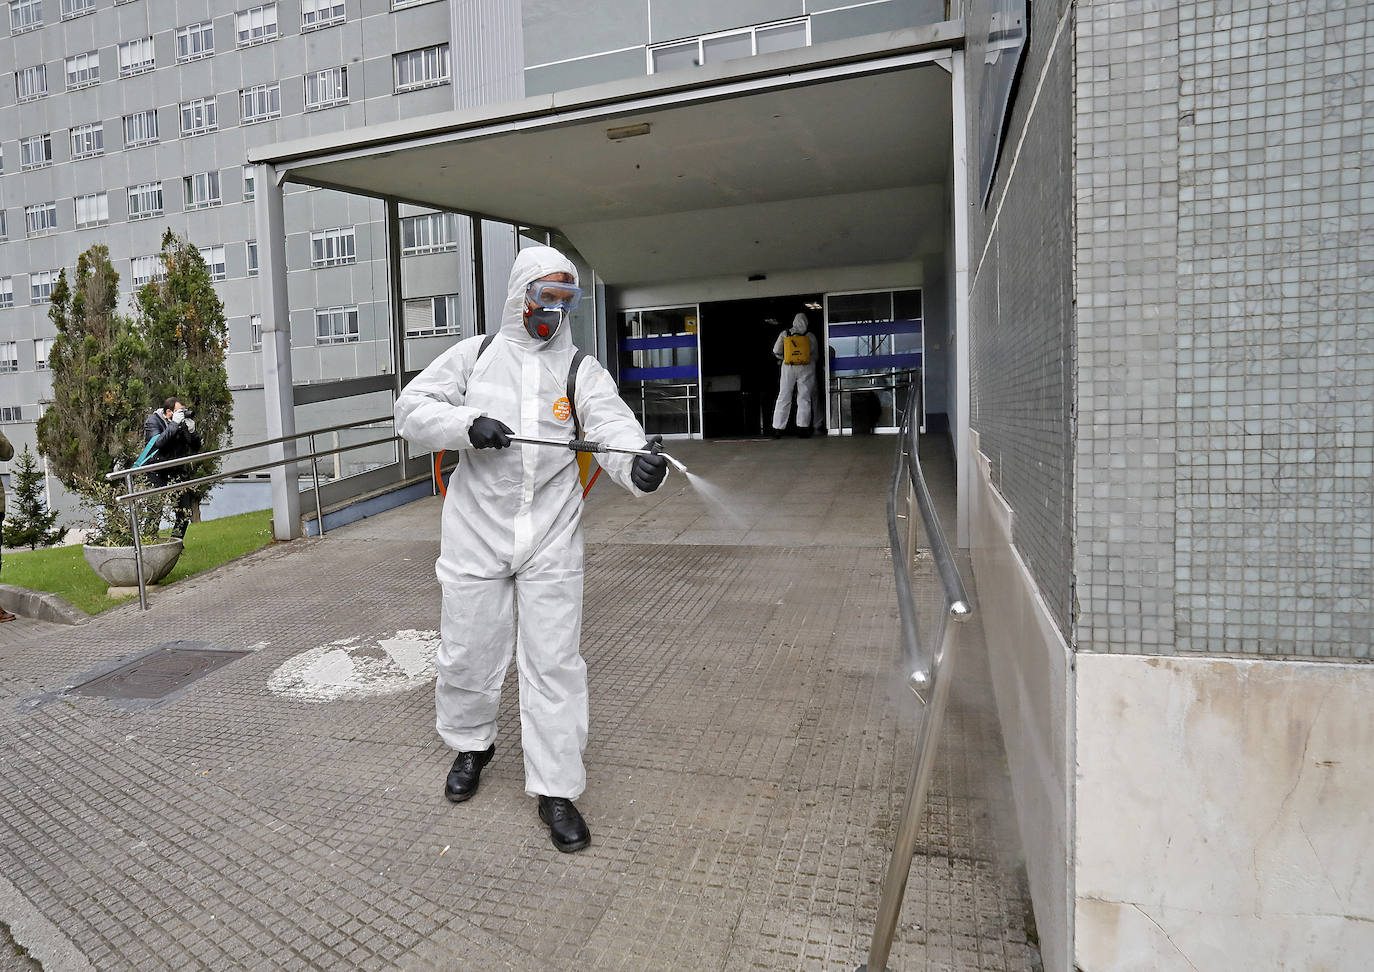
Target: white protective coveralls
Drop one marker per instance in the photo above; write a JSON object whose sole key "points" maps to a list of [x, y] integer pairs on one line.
{"points": [[512, 531], [800, 377]]}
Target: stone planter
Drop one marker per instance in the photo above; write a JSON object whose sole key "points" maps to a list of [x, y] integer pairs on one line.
{"points": [[117, 567]]}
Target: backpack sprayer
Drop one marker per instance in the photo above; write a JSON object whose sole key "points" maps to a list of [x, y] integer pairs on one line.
{"points": [[587, 445]]}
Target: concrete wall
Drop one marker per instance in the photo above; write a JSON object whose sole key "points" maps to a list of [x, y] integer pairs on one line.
{"points": [[1223, 814], [1032, 675]]}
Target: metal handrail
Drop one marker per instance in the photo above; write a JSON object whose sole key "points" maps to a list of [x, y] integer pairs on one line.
{"points": [[132, 496], [893, 381], [928, 672]]}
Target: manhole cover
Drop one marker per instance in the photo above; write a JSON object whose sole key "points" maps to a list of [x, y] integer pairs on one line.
{"points": [[158, 673]]}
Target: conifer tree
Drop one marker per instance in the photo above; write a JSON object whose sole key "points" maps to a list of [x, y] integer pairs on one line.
{"points": [[99, 389], [28, 521], [181, 320]]}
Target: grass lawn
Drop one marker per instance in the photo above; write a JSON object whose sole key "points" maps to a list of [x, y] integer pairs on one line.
{"points": [[64, 572]]}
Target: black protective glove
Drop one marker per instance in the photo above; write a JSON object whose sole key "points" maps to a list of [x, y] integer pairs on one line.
{"points": [[489, 433], [647, 472]]}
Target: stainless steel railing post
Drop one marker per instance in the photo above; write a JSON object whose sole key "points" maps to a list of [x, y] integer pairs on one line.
{"points": [[138, 542], [315, 482], [928, 675]]}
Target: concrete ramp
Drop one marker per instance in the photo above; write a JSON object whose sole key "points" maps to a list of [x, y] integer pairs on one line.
{"points": [[749, 742]]}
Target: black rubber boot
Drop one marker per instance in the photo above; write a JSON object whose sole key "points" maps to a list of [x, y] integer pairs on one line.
{"points": [[466, 774], [567, 829]]}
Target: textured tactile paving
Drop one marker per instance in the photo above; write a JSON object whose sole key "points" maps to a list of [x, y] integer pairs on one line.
{"points": [[750, 740]]}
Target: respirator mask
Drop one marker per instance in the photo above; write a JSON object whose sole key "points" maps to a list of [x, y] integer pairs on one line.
{"points": [[547, 304]]}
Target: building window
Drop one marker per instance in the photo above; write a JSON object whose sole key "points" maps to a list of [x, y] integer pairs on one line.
{"points": [[35, 152], [76, 8], [136, 57], [42, 350], [336, 325], [25, 15], [140, 128], [201, 190], [255, 332], [4, 233], [432, 316], [83, 70], [196, 40], [250, 183], [31, 82], [11, 413], [421, 69], [92, 210], [88, 140], [252, 247], [730, 45], [146, 269], [214, 261], [260, 102], [429, 233], [9, 356], [256, 24], [6, 291], [332, 247], [321, 13], [197, 117], [41, 283], [326, 88], [145, 200], [40, 219]]}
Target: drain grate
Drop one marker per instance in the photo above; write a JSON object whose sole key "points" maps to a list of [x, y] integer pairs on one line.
{"points": [[157, 674]]}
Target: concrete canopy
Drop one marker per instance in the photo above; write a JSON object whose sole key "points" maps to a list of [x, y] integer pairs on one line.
{"points": [[832, 156]]}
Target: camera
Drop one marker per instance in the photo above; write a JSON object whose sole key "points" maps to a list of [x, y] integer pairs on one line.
{"points": [[189, 412]]}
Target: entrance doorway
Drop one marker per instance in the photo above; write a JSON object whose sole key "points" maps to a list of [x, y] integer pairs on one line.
{"points": [[739, 374]]}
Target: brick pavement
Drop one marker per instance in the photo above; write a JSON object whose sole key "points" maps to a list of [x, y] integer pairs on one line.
{"points": [[749, 742]]}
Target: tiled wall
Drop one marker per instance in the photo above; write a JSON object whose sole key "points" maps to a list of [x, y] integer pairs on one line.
{"points": [[1276, 338], [1226, 370], [1126, 182], [1021, 306]]}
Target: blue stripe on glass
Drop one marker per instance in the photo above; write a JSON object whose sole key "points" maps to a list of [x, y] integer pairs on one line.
{"points": [[868, 362], [651, 374], [653, 343]]}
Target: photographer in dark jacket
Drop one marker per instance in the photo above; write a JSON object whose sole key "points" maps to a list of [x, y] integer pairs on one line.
{"points": [[175, 433]]}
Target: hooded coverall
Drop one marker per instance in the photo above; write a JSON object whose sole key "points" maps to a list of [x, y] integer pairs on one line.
{"points": [[798, 377], [512, 531]]}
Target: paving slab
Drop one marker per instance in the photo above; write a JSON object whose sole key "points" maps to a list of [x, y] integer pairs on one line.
{"points": [[750, 739]]}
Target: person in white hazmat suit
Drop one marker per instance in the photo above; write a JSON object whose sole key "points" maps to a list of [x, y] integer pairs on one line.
{"points": [[795, 377], [512, 532]]}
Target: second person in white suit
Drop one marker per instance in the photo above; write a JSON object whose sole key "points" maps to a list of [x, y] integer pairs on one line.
{"points": [[798, 378]]}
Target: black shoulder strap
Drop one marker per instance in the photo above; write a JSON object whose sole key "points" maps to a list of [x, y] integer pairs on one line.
{"points": [[486, 343], [572, 390]]}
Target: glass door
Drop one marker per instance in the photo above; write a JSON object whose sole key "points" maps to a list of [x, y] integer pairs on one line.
{"points": [[660, 374], [876, 343]]}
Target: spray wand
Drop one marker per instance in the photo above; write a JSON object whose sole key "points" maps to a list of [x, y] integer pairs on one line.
{"points": [[587, 445]]}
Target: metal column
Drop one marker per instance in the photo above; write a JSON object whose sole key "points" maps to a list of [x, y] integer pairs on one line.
{"points": [[276, 353]]}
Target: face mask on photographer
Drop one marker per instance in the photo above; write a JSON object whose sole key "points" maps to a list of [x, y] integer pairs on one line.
{"points": [[547, 304]]}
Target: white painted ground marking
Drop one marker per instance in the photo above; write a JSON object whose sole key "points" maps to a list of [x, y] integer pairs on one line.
{"points": [[358, 668]]}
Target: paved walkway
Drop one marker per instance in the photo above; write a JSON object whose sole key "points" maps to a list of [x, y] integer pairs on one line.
{"points": [[749, 743]]}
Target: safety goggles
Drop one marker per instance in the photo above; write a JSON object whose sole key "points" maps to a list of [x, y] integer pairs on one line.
{"points": [[549, 294]]}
